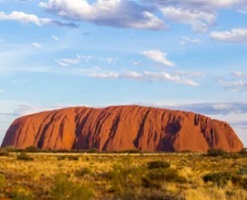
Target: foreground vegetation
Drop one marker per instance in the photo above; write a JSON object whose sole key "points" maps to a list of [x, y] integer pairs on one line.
{"points": [[124, 176]]}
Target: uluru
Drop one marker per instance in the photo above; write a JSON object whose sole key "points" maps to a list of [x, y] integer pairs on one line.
{"points": [[119, 128]]}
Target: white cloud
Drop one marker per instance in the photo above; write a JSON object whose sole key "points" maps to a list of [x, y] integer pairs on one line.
{"points": [[205, 5], [30, 18], [37, 45], [238, 35], [239, 74], [208, 108], [158, 56], [17, 109], [97, 68], [65, 62], [145, 76], [54, 37], [226, 3], [105, 75], [190, 74], [200, 14], [137, 62], [186, 40], [237, 85], [80, 58], [24, 18], [243, 10], [26, 109], [86, 58], [115, 13], [199, 20], [107, 59], [168, 77]]}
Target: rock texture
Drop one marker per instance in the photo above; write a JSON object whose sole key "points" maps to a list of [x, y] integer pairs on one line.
{"points": [[118, 128]]}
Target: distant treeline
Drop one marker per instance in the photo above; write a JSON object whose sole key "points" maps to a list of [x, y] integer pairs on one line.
{"points": [[30, 149]]}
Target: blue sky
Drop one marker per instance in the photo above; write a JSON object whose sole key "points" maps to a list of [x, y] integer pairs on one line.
{"points": [[189, 55]]}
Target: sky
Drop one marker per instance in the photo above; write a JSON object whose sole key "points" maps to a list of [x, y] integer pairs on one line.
{"points": [[188, 55]]}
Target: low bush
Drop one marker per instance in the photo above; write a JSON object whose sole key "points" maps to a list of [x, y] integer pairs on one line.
{"points": [[61, 157], [92, 150], [64, 189], [160, 195], [243, 152], [21, 193], [82, 172], [32, 149], [242, 182], [242, 170], [155, 177], [215, 152], [4, 153], [158, 164], [73, 158], [9, 149], [149, 183], [221, 178], [125, 181], [2, 181], [24, 157]]}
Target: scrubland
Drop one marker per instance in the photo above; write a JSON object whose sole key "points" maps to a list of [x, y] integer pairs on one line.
{"points": [[123, 176]]}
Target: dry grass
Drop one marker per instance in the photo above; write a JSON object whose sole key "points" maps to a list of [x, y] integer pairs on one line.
{"points": [[103, 175]]}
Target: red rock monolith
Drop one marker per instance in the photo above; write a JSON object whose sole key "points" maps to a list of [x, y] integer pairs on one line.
{"points": [[119, 128]]}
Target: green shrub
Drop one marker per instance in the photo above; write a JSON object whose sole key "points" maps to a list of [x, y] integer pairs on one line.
{"points": [[242, 170], [149, 183], [4, 153], [32, 149], [2, 181], [220, 178], [158, 164], [82, 172], [154, 178], [61, 157], [242, 182], [167, 175], [72, 158], [155, 194], [65, 189], [21, 193], [24, 156], [243, 152], [92, 150], [10, 149], [216, 152], [125, 181]]}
